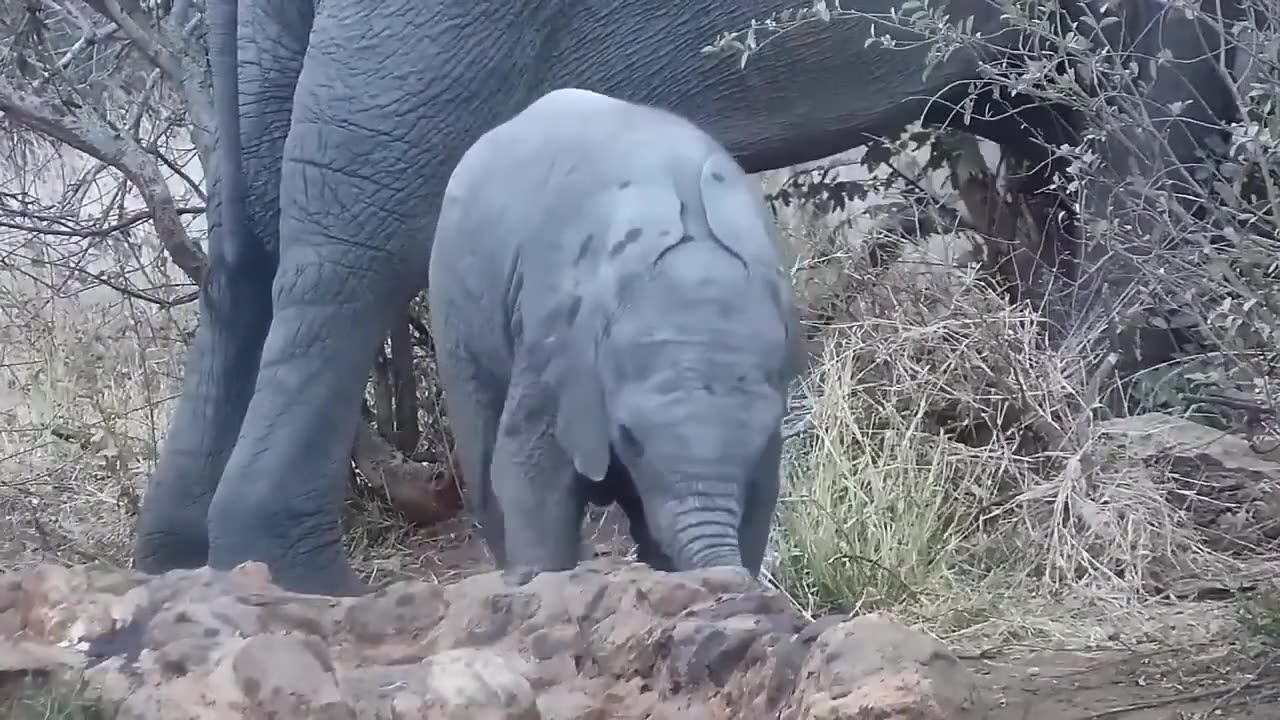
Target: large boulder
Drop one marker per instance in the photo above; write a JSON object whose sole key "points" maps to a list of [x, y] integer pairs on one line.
{"points": [[1228, 486], [606, 640]]}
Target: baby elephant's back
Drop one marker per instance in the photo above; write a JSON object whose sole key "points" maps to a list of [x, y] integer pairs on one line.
{"points": [[598, 130], [571, 146], [590, 155], [580, 185]]}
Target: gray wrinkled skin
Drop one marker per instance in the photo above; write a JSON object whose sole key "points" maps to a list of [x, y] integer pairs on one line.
{"points": [[611, 322], [338, 124]]}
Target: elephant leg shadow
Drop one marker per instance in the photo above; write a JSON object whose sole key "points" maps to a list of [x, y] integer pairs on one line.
{"points": [[489, 520], [620, 488]]}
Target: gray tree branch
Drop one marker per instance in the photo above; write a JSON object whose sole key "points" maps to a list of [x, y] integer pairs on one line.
{"points": [[121, 152]]}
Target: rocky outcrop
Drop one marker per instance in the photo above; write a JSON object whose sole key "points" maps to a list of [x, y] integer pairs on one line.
{"points": [[1227, 487], [606, 640]]}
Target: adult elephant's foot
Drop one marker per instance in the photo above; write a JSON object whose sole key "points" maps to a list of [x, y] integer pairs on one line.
{"points": [[172, 529], [331, 577], [158, 550], [171, 532], [290, 521], [281, 495], [303, 554]]}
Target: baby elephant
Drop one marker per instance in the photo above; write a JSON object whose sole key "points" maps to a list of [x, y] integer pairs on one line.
{"points": [[612, 323]]}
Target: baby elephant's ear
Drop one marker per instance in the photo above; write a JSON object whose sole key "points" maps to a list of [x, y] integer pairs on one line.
{"points": [[563, 353], [734, 213], [583, 428]]}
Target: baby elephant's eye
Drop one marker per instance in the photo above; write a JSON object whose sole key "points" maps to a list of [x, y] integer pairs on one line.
{"points": [[630, 442]]}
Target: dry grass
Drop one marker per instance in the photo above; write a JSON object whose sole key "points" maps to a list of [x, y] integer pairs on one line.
{"points": [[35, 698], [948, 473], [88, 383]]}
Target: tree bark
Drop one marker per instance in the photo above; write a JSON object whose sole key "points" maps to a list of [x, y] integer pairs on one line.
{"points": [[184, 68], [421, 493], [405, 386]]}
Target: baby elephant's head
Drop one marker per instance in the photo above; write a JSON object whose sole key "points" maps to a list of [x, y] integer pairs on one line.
{"points": [[673, 354], [695, 371]]}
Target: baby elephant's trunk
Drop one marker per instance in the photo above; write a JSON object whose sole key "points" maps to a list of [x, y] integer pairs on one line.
{"points": [[704, 531]]}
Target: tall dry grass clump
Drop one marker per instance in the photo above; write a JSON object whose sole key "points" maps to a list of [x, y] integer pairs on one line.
{"points": [[946, 467], [89, 380]]}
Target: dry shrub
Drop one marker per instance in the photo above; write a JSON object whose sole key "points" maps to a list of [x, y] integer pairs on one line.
{"points": [[87, 384], [946, 469], [89, 380], [952, 468]]}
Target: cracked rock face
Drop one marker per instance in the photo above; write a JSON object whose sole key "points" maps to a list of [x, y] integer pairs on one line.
{"points": [[605, 640]]}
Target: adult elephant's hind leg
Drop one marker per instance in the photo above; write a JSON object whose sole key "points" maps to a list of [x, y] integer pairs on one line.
{"points": [[235, 303], [217, 383], [364, 166]]}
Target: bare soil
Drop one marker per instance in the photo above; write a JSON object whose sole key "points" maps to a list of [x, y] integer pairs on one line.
{"points": [[1134, 685]]}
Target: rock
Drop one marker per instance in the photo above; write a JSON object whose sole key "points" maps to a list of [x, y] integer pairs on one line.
{"points": [[872, 663], [1227, 488], [21, 657], [607, 639]]}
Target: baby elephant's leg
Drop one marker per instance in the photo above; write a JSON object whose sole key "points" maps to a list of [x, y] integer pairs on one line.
{"points": [[534, 482], [648, 551], [474, 405]]}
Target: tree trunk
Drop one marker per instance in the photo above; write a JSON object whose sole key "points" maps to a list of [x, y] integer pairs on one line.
{"points": [[422, 493], [404, 386], [1023, 249]]}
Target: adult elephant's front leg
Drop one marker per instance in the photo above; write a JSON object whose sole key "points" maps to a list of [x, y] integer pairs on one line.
{"points": [[368, 153]]}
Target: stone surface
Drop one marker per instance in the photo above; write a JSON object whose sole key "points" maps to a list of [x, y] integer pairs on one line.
{"points": [[1228, 488], [606, 640]]}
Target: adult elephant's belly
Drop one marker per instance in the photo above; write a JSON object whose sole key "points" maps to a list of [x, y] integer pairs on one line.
{"points": [[815, 91]]}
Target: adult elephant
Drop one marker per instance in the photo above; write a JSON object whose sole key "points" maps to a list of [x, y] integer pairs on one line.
{"points": [[338, 125]]}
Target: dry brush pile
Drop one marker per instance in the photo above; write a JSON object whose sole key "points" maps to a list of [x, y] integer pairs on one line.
{"points": [[953, 461]]}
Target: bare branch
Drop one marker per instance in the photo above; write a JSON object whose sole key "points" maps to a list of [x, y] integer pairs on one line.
{"points": [[120, 151], [128, 222]]}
